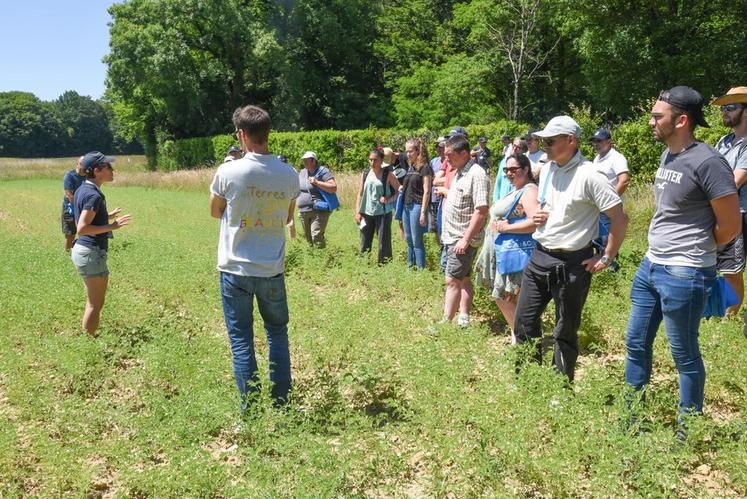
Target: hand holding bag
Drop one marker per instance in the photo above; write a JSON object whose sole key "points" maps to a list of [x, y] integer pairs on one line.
{"points": [[512, 251]]}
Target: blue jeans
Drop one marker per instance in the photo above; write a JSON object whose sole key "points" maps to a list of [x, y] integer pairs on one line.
{"points": [[414, 235], [238, 294], [676, 295]]}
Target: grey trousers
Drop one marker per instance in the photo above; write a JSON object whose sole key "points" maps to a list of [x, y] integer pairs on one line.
{"points": [[314, 224]]}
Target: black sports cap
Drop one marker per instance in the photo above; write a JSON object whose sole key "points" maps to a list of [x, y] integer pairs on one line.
{"points": [[688, 99]]}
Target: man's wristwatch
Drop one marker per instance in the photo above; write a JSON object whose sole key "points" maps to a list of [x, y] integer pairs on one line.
{"points": [[605, 261]]}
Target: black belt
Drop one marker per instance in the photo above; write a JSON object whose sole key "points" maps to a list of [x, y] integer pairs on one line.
{"points": [[565, 251]]}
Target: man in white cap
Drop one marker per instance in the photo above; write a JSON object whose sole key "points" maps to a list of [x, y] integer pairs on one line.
{"points": [[733, 146], [572, 193]]}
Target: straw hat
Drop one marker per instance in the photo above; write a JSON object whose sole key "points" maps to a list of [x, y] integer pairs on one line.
{"points": [[736, 95]]}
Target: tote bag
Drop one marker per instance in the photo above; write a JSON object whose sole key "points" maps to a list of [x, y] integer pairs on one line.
{"points": [[512, 251]]}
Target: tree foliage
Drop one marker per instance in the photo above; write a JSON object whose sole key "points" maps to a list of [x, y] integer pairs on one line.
{"points": [[69, 126]]}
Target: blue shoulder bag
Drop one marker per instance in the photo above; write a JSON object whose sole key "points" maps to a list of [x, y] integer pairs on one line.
{"points": [[330, 201], [512, 251]]}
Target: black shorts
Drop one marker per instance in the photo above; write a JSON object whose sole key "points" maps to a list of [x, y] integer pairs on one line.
{"points": [[68, 224]]}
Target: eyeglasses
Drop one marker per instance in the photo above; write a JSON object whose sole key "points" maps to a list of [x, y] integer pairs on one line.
{"points": [[511, 169], [730, 107]]}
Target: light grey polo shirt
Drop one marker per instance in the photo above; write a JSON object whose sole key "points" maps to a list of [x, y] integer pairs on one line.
{"points": [[574, 195]]}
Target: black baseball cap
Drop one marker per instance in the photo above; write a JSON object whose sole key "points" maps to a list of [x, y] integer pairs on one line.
{"points": [[601, 134], [688, 99], [94, 160], [482, 139]]}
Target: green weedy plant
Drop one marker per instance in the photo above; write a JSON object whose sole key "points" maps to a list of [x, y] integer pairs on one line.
{"points": [[383, 405]]}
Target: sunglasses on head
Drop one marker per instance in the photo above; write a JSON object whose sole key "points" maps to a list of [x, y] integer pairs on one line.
{"points": [[730, 107]]}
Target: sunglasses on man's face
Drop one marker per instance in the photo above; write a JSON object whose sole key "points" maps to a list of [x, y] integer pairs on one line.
{"points": [[552, 140], [730, 107]]}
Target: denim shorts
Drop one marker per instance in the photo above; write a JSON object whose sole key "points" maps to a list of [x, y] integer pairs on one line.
{"points": [[90, 262]]}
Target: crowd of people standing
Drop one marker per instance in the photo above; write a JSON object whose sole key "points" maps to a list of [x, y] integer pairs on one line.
{"points": [[554, 220]]}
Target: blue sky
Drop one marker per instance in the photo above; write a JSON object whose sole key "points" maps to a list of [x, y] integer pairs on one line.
{"points": [[50, 46]]}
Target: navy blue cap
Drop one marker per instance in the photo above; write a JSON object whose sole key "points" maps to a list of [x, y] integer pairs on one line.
{"points": [[482, 139], [601, 134], [94, 160], [233, 149]]}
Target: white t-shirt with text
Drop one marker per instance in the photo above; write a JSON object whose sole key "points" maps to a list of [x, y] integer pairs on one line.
{"points": [[258, 189]]}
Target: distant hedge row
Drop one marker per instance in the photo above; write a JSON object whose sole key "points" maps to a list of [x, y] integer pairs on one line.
{"points": [[347, 150]]}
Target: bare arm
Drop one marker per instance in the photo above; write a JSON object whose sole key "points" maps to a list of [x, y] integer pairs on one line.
{"points": [[392, 179], [328, 186], [476, 222], [86, 229], [728, 221], [69, 194], [740, 177], [618, 227], [531, 205], [623, 180], [291, 210], [217, 206], [358, 199]]}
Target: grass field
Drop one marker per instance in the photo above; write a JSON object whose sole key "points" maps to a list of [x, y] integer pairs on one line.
{"points": [[381, 407]]}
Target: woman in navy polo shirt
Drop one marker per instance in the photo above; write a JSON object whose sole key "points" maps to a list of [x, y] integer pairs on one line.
{"points": [[94, 232]]}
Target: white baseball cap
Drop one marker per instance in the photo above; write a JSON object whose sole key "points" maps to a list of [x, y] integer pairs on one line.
{"points": [[560, 125], [309, 154]]}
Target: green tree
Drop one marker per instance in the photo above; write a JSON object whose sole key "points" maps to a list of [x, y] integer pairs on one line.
{"points": [[29, 127], [86, 123], [178, 68], [630, 50], [457, 92], [332, 79]]}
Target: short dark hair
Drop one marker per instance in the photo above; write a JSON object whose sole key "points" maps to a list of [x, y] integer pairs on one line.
{"points": [[458, 143], [378, 152], [253, 120], [691, 119]]}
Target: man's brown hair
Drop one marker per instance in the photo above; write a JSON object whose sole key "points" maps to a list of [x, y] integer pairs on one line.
{"points": [[254, 121]]}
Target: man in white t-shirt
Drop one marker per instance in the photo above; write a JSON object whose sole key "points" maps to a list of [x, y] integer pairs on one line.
{"points": [[536, 155], [571, 195], [614, 165], [254, 198], [609, 161]]}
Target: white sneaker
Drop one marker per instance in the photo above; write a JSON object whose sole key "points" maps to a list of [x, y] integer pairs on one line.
{"points": [[463, 320]]}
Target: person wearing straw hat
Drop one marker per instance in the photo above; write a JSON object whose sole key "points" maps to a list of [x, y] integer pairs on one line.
{"points": [[733, 146]]}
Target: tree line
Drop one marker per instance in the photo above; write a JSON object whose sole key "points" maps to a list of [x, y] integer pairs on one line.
{"points": [[178, 68], [71, 125]]}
